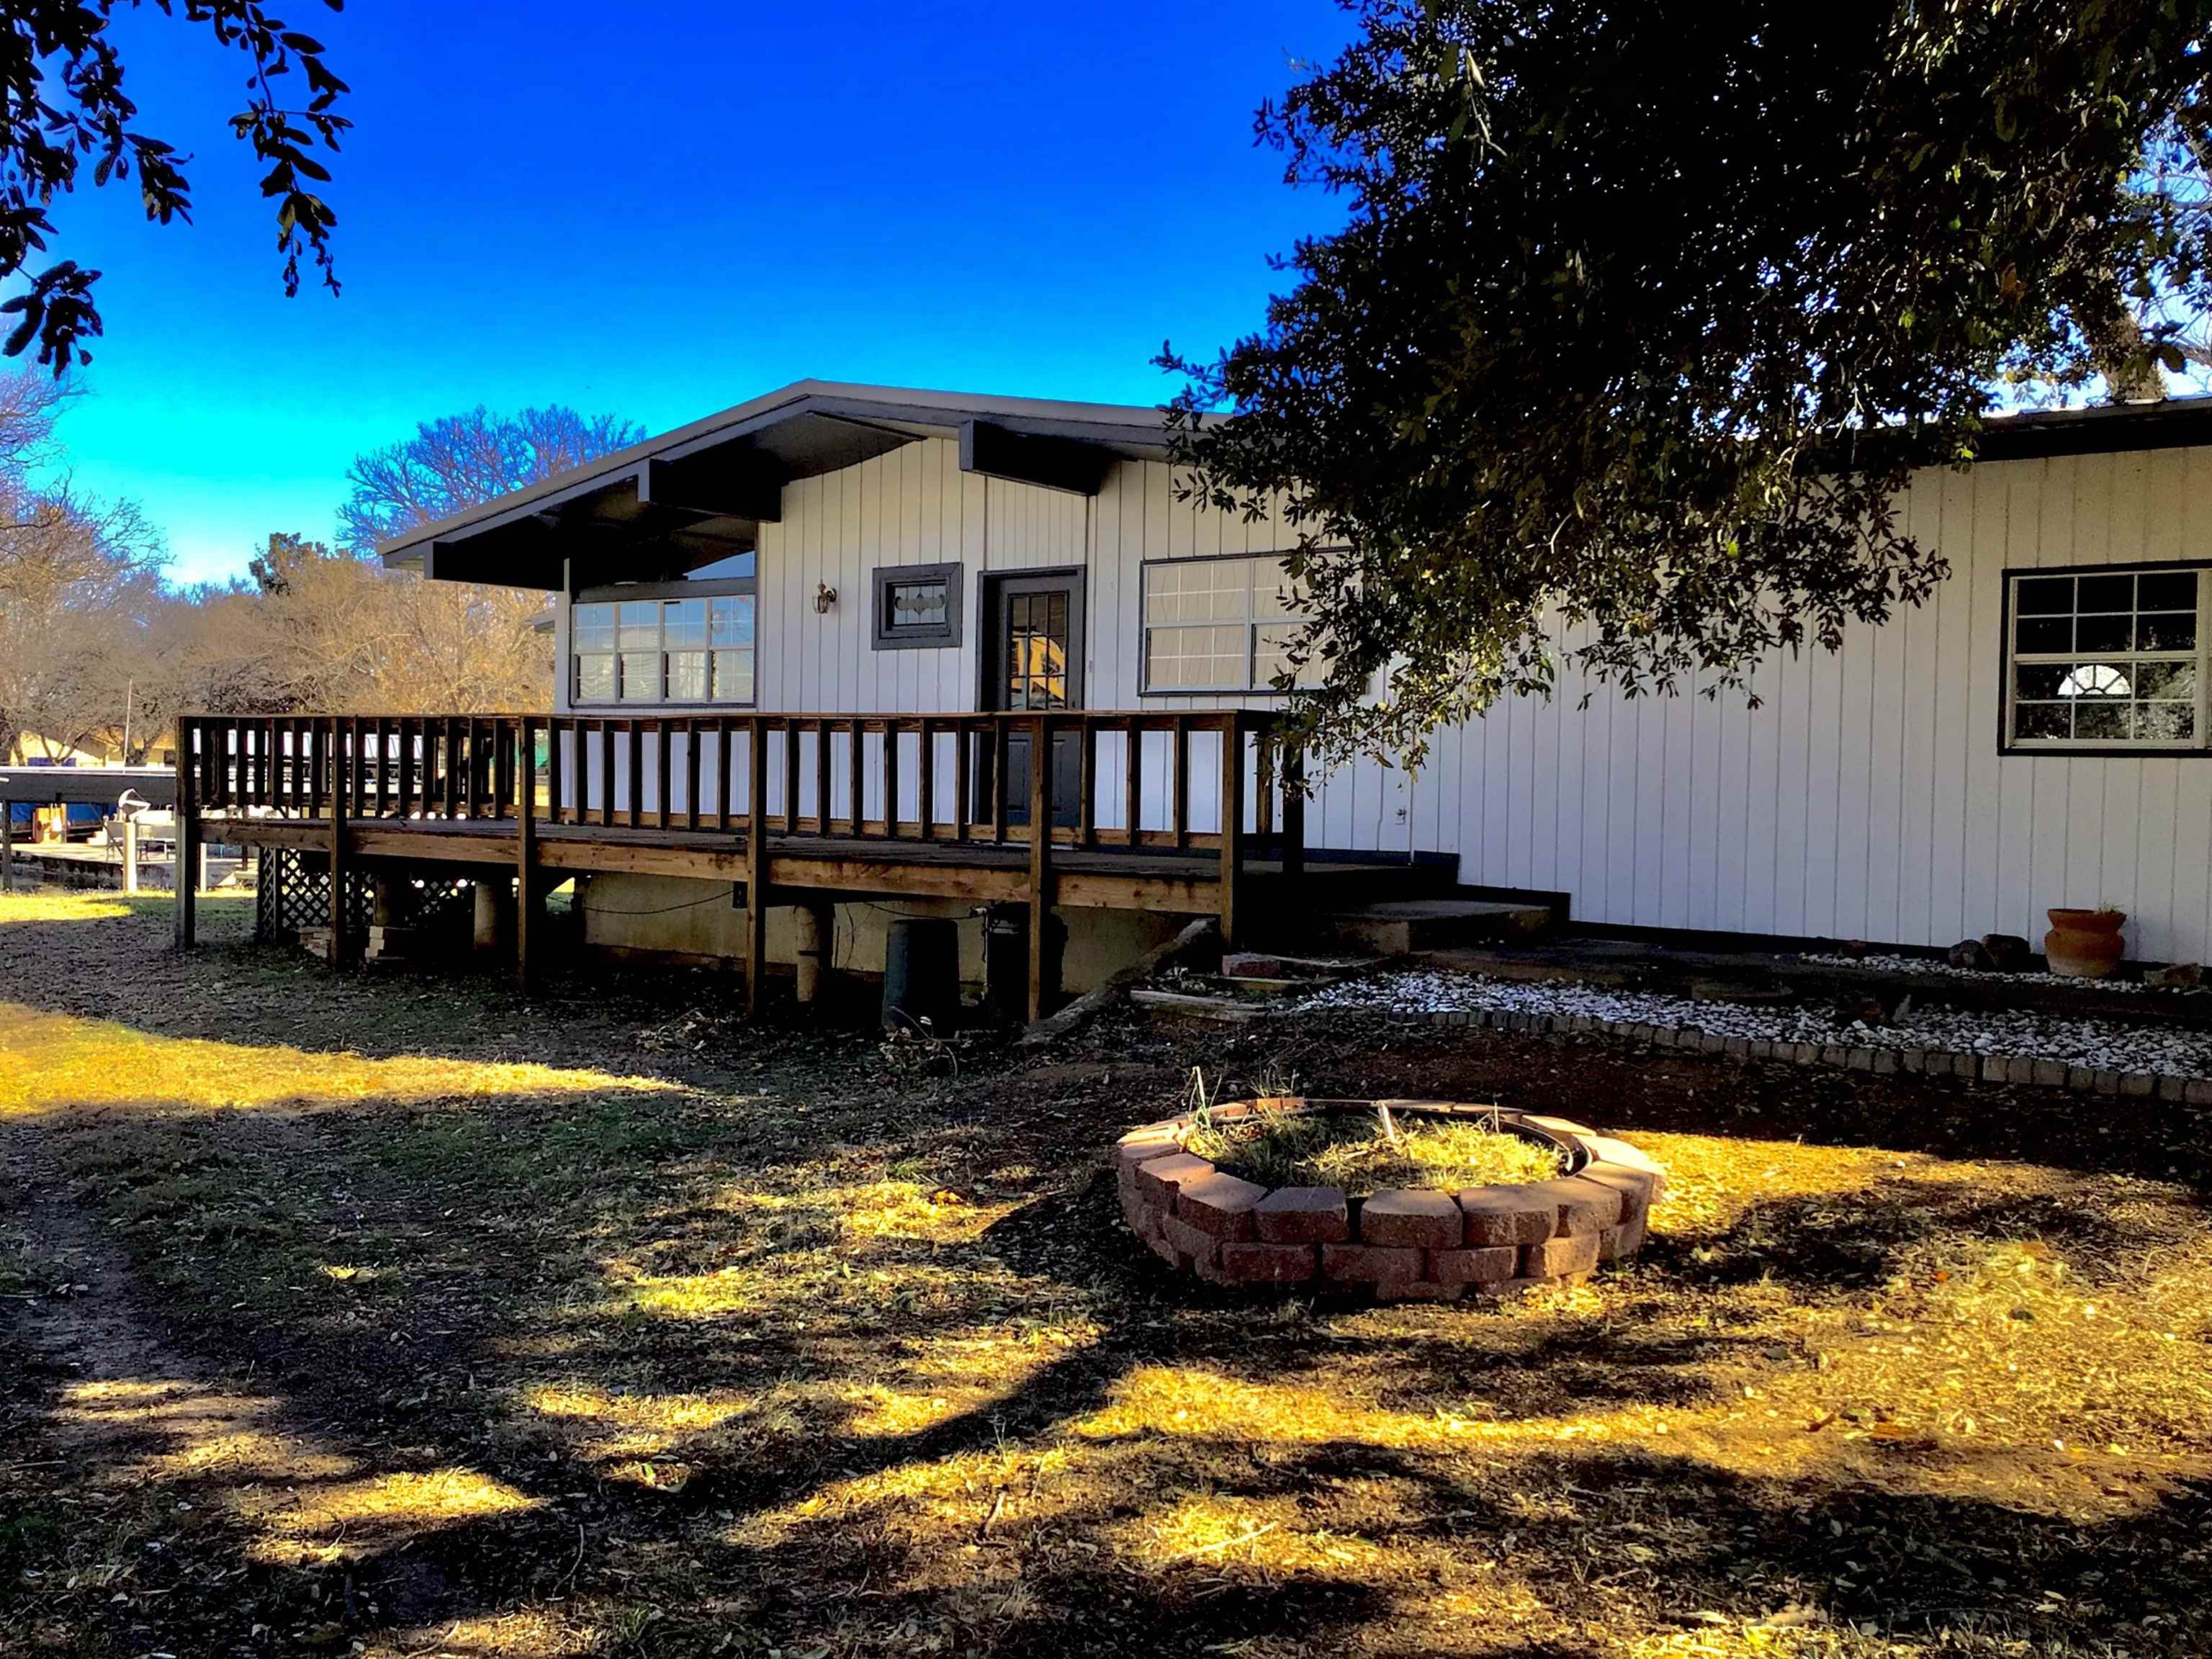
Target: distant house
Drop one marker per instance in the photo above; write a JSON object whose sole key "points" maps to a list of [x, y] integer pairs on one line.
{"points": [[2035, 736]]}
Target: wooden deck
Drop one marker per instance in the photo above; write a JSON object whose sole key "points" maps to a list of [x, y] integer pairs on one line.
{"points": [[1184, 814]]}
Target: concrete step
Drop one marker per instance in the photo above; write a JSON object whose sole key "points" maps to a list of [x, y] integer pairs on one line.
{"points": [[1401, 927]]}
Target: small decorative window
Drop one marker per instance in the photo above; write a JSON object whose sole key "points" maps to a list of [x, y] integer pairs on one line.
{"points": [[1219, 625], [917, 604], [2106, 660], [658, 648]]}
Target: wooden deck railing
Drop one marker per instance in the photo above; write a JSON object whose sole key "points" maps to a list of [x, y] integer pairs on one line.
{"points": [[1178, 782], [1222, 782]]}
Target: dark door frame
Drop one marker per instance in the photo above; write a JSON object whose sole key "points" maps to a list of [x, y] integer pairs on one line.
{"points": [[990, 661], [1073, 579]]}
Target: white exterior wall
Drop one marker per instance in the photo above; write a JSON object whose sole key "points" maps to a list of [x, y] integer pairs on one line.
{"points": [[1865, 799]]}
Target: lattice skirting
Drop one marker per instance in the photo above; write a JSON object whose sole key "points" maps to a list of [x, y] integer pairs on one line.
{"points": [[293, 891]]}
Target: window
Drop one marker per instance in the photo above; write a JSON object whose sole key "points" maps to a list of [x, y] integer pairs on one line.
{"points": [[917, 604], [2106, 659], [665, 643], [1218, 625]]}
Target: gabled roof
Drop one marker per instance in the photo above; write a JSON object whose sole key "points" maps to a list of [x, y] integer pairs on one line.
{"points": [[701, 492]]}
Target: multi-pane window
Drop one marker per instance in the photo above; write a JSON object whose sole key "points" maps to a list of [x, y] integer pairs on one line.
{"points": [[2106, 659], [688, 650], [1038, 639], [1218, 625]]}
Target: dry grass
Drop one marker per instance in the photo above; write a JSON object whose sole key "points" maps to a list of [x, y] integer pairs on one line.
{"points": [[810, 1357], [52, 1061], [1355, 1151]]}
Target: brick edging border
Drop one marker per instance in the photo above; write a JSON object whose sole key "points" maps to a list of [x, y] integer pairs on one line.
{"points": [[1928, 1062], [1404, 1244]]}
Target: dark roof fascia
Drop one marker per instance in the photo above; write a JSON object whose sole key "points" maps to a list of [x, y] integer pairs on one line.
{"points": [[1129, 431], [2110, 429]]}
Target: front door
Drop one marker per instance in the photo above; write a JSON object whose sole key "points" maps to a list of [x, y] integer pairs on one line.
{"points": [[1035, 665]]}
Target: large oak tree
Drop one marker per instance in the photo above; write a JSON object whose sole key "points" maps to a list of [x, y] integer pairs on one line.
{"points": [[1640, 313]]}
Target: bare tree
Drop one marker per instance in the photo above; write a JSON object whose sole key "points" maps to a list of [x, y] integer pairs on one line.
{"points": [[323, 632], [78, 580], [79, 585], [460, 461]]}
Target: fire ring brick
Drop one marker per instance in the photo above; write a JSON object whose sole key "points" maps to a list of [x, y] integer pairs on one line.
{"points": [[1416, 1245]]}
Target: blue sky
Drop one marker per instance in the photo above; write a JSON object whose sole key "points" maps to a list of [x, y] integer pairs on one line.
{"points": [[661, 209]]}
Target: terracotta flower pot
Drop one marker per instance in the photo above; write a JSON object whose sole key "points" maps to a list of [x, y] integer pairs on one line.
{"points": [[2084, 943]]}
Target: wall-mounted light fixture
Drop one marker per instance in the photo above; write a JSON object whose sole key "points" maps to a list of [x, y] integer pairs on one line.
{"points": [[826, 598]]}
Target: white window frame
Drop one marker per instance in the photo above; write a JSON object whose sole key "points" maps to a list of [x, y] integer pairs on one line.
{"points": [[2014, 659], [1250, 622], [662, 595]]}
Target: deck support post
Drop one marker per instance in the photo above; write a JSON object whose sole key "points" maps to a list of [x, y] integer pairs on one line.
{"points": [[384, 898], [8, 864], [1232, 823], [1293, 772], [337, 844], [756, 854], [526, 846], [1040, 862], [818, 931], [495, 915], [191, 850]]}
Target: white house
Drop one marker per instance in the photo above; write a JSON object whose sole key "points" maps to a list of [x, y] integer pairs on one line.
{"points": [[2036, 735]]}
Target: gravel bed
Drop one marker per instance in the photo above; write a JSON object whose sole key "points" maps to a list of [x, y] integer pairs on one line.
{"points": [[1937, 966], [2095, 1044]]}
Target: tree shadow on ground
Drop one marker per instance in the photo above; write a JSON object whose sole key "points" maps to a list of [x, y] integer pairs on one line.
{"points": [[854, 1367]]}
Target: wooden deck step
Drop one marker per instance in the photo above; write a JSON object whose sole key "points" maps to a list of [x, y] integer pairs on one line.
{"points": [[1401, 927]]}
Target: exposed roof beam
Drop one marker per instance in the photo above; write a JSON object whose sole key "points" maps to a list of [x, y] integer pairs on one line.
{"points": [[458, 561], [1053, 463], [744, 486]]}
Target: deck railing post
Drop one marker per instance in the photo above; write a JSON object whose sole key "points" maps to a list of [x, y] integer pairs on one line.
{"points": [[1040, 863], [337, 854], [188, 835], [756, 860], [553, 730], [1182, 765], [662, 785], [1086, 809], [790, 780], [526, 846], [926, 781], [821, 777], [1133, 784], [856, 780], [891, 777], [1002, 750], [963, 779], [692, 774], [1232, 822]]}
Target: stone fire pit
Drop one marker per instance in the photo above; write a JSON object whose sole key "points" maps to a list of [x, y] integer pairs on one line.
{"points": [[1404, 1244]]}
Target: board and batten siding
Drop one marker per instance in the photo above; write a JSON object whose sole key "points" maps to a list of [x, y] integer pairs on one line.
{"points": [[1864, 798]]}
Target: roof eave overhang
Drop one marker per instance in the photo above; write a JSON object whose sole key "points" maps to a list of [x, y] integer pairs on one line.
{"points": [[702, 491]]}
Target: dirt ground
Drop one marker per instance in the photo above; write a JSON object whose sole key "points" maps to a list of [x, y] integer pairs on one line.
{"points": [[390, 1313]]}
